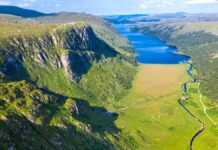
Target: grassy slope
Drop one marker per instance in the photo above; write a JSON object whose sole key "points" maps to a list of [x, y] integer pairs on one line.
{"points": [[110, 74], [106, 80], [14, 19], [151, 113], [111, 81], [28, 114]]}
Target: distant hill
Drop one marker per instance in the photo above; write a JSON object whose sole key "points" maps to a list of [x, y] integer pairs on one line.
{"points": [[26, 13], [5, 18], [128, 19], [179, 16]]}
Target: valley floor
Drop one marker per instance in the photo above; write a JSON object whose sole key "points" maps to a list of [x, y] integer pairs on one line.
{"points": [[152, 115]]}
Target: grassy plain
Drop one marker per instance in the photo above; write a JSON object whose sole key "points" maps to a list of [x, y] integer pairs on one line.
{"points": [[151, 113]]}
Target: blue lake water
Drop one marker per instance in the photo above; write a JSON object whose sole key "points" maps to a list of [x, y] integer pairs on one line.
{"points": [[151, 50]]}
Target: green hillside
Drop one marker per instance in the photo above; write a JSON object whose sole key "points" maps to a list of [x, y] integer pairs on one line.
{"points": [[55, 80]]}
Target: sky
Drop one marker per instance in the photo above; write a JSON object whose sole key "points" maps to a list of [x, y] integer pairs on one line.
{"points": [[111, 7]]}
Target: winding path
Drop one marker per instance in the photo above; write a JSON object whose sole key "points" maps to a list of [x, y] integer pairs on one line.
{"points": [[204, 107], [187, 110]]}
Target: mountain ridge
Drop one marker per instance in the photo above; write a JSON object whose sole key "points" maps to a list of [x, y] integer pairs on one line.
{"points": [[21, 12]]}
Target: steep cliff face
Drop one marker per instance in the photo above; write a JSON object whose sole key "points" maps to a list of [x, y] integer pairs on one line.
{"points": [[68, 59], [71, 47]]}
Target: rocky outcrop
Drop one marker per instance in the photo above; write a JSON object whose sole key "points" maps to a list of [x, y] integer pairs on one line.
{"points": [[72, 47], [78, 39]]}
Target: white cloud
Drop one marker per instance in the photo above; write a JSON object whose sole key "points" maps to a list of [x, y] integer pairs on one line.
{"points": [[148, 4], [4, 2], [144, 6], [192, 2], [58, 5], [26, 3]]}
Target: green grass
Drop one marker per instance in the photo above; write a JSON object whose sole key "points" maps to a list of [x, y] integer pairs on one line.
{"points": [[150, 112], [113, 76], [104, 83], [208, 140], [28, 114], [48, 115], [12, 30], [111, 80]]}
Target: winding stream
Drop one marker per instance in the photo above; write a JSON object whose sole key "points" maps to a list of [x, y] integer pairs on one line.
{"points": [[187, 110], [152, 50]]}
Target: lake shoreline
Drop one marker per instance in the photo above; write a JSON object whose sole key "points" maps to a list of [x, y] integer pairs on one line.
{"points": [[150, 49]]}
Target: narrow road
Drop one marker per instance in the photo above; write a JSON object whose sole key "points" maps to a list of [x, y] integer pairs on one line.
{"points": [[204, 107], [187, 110]]}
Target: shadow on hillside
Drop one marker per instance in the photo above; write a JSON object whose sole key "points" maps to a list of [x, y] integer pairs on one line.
{"points": [[95, 116], [25, 133], [81, 61], [14, 70]]}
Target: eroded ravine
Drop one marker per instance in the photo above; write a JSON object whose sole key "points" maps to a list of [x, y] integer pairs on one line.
{"points": [[188, 111]]}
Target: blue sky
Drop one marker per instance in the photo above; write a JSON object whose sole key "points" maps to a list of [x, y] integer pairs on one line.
{"points": [[106, 7]]}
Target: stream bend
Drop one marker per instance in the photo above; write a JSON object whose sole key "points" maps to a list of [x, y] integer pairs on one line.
{"points": [[188, 111]]}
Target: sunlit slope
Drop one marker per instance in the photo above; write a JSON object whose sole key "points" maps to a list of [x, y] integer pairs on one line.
{"points": [[151, 113]]}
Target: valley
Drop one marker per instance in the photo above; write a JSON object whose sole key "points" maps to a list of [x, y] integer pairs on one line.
{"points": [[153, 107], [152, 51], [158, 87], [122, 82]]}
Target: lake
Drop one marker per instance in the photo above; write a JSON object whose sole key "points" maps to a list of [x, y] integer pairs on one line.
{"points": [[151, 50]]}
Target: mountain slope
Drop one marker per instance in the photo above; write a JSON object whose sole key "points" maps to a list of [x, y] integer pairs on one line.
{"points": [[17, 11], [102, 29], [56, 78], [50, 52], [23, 120]]}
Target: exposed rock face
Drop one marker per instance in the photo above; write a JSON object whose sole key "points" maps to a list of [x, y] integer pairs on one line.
{"points": [[70, 47], [67, 68], [79, 39]]}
